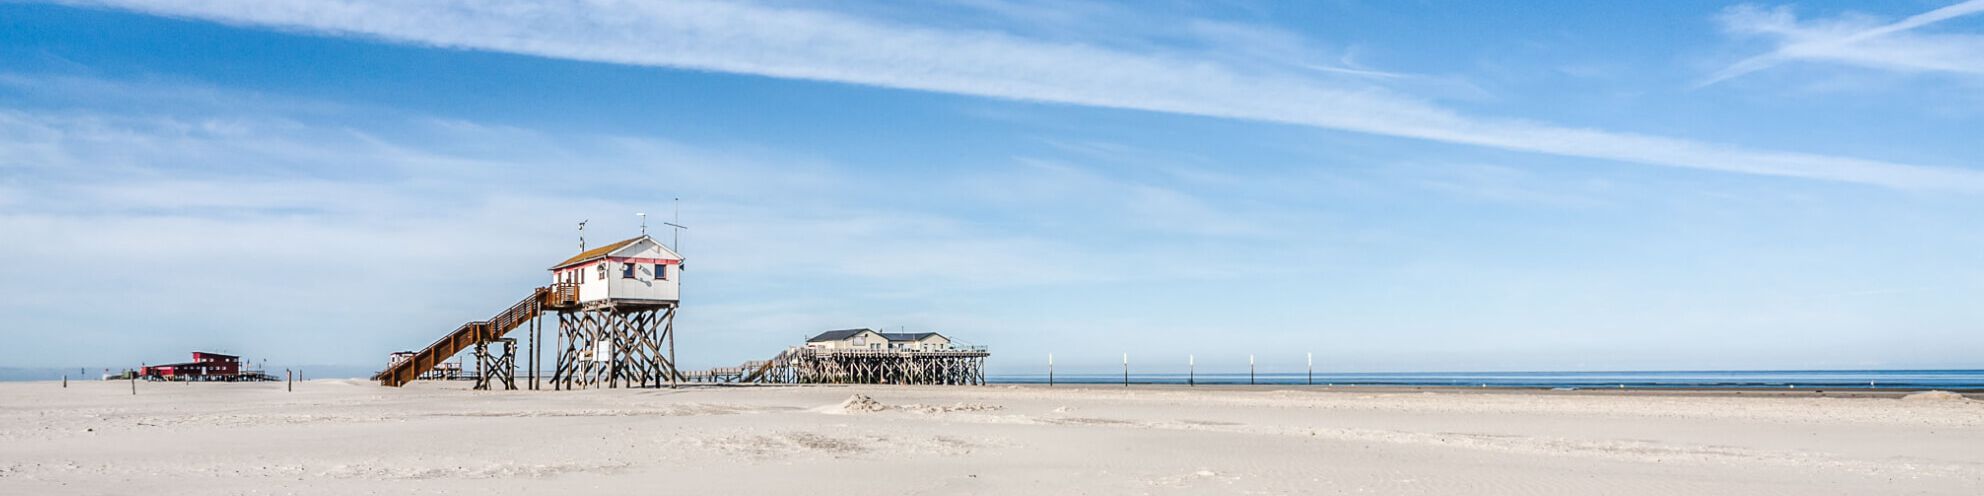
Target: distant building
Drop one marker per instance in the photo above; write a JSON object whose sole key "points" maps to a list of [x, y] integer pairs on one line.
{"points": [[870, 339], [204, 367], [868, 356]]}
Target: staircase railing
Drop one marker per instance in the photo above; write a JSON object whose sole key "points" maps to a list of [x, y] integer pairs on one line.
{"points": [[758, 372], [481, 331]]}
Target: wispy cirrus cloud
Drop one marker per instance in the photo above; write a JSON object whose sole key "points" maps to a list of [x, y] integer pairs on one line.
{"points": [[745, 38], [183, 179], [1856, 41]]}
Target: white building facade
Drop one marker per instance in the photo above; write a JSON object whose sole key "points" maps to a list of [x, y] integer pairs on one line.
{"points": [[872, 340]]}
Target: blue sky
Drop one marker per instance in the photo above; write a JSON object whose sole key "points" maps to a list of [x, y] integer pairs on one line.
{"points": [[1389, 185]]}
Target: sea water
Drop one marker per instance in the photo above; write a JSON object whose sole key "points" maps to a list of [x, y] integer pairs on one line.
{"points": [[1737, 379]]}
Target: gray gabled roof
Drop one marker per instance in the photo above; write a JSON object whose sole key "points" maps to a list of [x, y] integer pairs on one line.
{"points": [[841, 334], [838, 335]]}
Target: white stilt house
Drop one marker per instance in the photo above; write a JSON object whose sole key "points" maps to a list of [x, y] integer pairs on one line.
{"points": [[636, 270], [619, 331], [616, 309]]}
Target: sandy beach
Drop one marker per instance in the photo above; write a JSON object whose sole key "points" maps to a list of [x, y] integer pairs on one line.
{"points": [[353, 437]]}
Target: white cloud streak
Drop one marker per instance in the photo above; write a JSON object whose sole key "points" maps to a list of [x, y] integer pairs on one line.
{"points": [[741, 38], [1857, 41], [304, 239], [299, 220]]}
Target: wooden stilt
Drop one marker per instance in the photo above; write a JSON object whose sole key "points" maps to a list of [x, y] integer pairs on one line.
{"points": [[812, 366], [614, 344], [668, 334]]}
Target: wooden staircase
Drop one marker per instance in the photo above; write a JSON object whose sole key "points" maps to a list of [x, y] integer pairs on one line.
{"points": [[556, 296], [768, 371]]}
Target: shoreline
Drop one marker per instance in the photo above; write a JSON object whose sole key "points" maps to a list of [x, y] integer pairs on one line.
{"points": [[1968, 393], [1971, 393]]}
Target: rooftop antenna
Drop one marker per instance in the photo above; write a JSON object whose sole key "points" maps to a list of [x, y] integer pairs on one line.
{"points": [[644, 222], [677, 244], [582, 234]]}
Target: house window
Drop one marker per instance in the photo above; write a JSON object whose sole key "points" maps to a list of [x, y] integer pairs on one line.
{"points": [[661, 272], [602, 270], [626, 271]]}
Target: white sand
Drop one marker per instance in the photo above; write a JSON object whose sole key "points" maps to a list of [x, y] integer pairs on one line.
{"points": [[351, 437]]}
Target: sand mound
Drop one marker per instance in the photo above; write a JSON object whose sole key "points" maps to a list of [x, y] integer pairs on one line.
{"points": [[1933, 396], [859, 403], [958, 407]]}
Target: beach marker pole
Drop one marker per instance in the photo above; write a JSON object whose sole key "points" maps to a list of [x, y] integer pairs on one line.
{"points": [[65, 381], [1312, 368], [1191, 370], [134, 384], [289, 380], [1126, 370], [1250, 370], [1050, 370]]}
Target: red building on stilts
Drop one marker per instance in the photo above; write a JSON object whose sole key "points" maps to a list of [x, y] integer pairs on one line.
{"points": [[204, 367]]}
